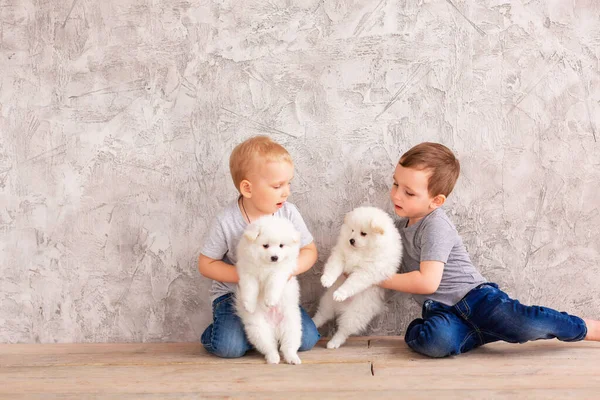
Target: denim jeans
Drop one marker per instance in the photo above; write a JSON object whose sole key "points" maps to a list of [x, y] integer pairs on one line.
{"points": [[225, 337], [486, 314]]}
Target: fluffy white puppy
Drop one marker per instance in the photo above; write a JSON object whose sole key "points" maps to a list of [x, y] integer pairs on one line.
{"points": [[267, 300], [368, 251]]}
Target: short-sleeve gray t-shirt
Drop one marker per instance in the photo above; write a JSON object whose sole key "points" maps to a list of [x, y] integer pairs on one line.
{"points": [[221, 240], [434, 238]]}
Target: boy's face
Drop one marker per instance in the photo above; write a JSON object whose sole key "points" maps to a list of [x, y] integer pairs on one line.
{"points": [[271, 185], [409, 193]]}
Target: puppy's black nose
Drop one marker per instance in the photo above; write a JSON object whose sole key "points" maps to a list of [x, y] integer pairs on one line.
{"points": [[352, 242], [274, 258]]}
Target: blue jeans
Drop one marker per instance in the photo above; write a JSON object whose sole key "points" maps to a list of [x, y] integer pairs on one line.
{"points": [[225, 337], [486, 314]]}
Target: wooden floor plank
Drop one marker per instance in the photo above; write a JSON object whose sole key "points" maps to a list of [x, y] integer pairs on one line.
{"points": [[303, 378], [37, 355], [546, 394], [381, 367], [193, 353], [178, 378]]}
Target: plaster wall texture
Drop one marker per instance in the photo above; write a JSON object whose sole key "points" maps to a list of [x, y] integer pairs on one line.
{"points": [[117, 119]]}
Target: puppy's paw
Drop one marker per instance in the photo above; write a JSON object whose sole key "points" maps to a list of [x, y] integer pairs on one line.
{"points": [[334, 344], [340, 295], [271, 301], [273, 358], [292, 359], [327, 281], [291, 356], [250, 306]]}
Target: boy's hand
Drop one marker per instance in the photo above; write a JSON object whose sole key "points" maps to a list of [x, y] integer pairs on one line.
{"points": [[387, 284]]}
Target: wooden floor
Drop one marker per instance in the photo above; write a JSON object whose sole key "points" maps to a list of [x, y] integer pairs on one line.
{"points": [[361, 369]]}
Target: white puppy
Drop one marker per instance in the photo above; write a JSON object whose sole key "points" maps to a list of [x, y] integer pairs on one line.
{"points": [[267, 300], [368, 251]]}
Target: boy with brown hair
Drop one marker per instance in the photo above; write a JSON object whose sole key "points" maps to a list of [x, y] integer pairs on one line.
{"points": [[461, 310]]}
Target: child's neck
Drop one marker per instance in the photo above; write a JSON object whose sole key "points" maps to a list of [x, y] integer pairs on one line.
{"points": [[414, 220], [249, 212]]}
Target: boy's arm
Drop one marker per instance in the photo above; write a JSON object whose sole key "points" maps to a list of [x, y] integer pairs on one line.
{"points": [[308, 253], [424, 281], [217, 270], [307, 258]]}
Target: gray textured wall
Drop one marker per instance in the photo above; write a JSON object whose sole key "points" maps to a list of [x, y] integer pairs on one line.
{"points": [[117, 118]]}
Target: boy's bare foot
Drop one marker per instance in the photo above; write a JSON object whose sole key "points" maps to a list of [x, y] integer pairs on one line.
{"points": [[593, 328]]}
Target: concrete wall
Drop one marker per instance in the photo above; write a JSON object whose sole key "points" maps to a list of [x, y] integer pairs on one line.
{"points": [[117, 119]]}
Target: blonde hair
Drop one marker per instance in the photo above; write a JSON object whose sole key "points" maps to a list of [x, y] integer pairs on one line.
{"points": [[247, 154], [437, 159]]}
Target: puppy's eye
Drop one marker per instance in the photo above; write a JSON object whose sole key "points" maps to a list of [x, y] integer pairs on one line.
{"points": [[363, 234], [281, 245], [266, 246]]}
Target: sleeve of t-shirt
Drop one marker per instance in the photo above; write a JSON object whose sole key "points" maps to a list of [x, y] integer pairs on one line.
{"points": [[215, 244], [437, 240], [305, 236]]}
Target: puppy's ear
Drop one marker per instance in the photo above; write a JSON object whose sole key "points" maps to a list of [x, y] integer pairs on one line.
{"points": [[377, 228], [252, 232], [346, 218]]}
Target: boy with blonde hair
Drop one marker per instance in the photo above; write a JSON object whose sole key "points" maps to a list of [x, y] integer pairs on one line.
{"points": [[261, 170], [461, 310]]}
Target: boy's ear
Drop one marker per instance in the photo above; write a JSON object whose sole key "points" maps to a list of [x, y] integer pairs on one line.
{"points": [[246, 188], [437, 201], [252, 232], [377, 228]]}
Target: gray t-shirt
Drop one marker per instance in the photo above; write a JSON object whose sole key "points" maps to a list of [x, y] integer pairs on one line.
{"points": [[434, 238], [221, 240]]}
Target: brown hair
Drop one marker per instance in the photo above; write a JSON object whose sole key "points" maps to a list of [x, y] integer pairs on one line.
{"points": [[245, 156], [439, 161]]}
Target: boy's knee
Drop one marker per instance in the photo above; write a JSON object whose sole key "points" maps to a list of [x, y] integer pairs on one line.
{"points": [[309, 339], [232, 346], [227, 351], [434, 350], [413, 330], [310, 333], [423, 340]]}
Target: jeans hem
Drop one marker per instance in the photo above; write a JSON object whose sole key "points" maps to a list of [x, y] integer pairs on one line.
{"points": [[580, 337]]}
